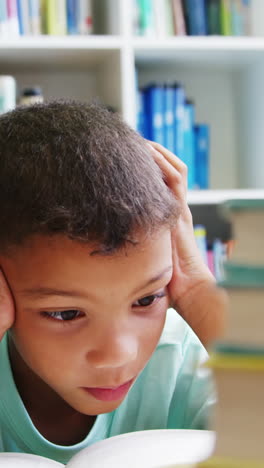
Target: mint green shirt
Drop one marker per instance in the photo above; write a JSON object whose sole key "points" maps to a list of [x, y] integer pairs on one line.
{"points": [[172, 392]]}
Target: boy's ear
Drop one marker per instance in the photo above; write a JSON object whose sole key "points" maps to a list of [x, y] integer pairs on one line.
{"points": [[7, 305]]}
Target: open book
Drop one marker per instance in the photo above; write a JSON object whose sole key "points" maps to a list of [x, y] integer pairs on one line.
{"points": [[144, 449]]}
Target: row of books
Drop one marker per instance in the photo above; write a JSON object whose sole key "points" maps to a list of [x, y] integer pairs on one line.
{"points": [[191, 17], [213, 253], [166, 116], [55, 17]]}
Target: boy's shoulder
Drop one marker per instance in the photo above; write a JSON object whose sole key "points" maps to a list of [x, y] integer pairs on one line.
{"points": [[178, 333]]}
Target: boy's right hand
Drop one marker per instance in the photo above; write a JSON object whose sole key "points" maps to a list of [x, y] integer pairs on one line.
{"points": [[7, 308]]}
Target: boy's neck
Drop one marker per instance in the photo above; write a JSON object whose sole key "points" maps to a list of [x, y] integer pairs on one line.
{"points": [[51, 415]]}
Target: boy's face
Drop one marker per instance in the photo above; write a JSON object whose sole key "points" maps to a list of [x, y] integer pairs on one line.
{"points": [[87, 325]]}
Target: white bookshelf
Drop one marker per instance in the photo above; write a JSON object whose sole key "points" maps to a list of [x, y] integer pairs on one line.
{"points": [[224, 76]]}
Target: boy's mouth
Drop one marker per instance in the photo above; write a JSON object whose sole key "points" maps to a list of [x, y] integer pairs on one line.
{"points": [[109, 393]]}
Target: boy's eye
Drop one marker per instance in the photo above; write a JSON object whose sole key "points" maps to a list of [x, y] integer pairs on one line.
{"points": [[148, 300], [63, 314]]}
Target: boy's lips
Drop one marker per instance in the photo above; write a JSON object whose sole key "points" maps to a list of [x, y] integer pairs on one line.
{"points": [[109, 393]]}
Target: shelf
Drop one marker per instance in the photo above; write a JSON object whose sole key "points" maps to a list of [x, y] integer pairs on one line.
{"points": [[234, 52], [57, 51], [214, 197]]}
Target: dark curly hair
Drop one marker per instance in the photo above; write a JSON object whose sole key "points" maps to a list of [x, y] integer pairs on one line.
{"points": [[77, 169]]}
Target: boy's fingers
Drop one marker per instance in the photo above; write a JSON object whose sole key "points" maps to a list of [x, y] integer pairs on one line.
{"points": [[7, 310], [172, 167]]}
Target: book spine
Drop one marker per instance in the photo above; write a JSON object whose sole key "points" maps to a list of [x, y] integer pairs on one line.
{"points": [[237, 24], [246, 16], [196, 17], [85, 17], [225, 18], [72, 23], [23, 17], [213, 17], [146, 17], [159, 18], [3, 20], [61, 18], [141, 118], [201, 136], [189, 142], [20, 17], [35, 17], [13, 25], [169, 25], [169, 116], [154, 107], [50, 15], [219, 258], [200, 237], [56, 17], [178, 18], [179, 110]]}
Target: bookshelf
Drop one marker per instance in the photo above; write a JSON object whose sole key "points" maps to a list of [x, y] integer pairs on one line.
{"points": [[224, 76]]}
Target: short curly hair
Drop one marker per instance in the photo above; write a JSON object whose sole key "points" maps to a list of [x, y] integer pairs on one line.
{"points": [[77, 169]]}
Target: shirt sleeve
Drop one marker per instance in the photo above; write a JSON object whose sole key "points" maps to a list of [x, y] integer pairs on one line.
{"points": [[194, 394]]}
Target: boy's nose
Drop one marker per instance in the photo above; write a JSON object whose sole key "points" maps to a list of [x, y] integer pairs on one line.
{"points": [[114, 351]]}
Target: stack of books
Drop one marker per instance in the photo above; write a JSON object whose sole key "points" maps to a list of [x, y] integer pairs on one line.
{"points": [[167, 116], [238, 359], [54, 17], [192, 17]]}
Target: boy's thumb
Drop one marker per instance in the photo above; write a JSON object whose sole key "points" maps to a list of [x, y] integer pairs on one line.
{"points": [[7, 309]]}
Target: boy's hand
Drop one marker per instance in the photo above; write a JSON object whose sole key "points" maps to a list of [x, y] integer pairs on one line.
{"points": [[193, 292], [7, 309]]}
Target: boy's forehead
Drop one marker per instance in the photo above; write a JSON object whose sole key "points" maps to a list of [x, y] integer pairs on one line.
{"points": [[59, 257]]}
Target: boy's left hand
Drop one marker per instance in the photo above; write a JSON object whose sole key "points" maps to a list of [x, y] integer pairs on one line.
{"points": [[192, 284]]}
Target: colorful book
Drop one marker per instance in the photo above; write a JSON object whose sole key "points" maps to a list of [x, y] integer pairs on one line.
{"points": [[3, 20], [196, 17], [154, 112], [160, 18], [225, 18], [12, 18], [237, 24], [213, 17], [200, 237], [23, 17], [179, 112], [72, 17], [169, 22], [35, 17], [169, 118], [178, 18], [146, 17], [56, 17], [85, 17], [188, 154], [201, 142]]}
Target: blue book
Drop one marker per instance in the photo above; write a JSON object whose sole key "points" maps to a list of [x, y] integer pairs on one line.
{"points": [[179, 109], [188, 156], [20, 18], [154, 112], [169, 116], [72, 17], [34, 7], [196, 17], [202, 143], [140, 113]]}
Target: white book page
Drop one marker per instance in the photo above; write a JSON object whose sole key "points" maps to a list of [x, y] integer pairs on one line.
{"points": [[26, 460]]}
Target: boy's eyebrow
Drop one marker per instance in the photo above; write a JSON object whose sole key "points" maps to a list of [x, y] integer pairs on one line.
{"points": [[41, 291]]}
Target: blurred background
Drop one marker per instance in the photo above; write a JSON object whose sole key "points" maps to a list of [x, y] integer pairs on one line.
{"points": [[186, 73]]}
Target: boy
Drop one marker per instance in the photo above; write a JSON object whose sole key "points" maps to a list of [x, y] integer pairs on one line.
{"points": [[95, 246]]}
